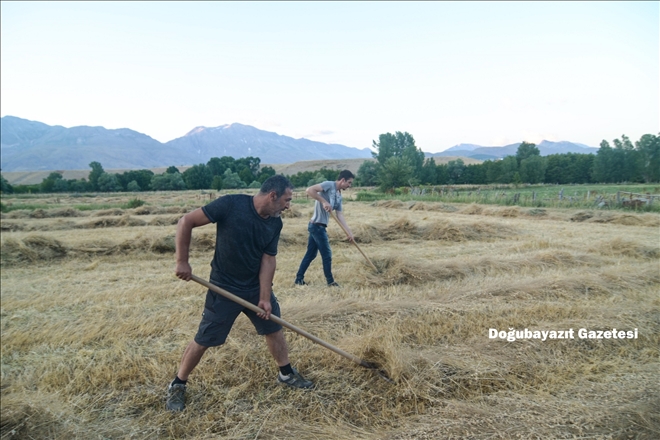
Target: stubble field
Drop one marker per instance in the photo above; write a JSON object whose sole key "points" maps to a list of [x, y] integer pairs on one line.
{"points": [[94, 323]]}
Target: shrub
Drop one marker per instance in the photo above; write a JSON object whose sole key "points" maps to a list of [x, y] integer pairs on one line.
{"points": [[134, 203]]}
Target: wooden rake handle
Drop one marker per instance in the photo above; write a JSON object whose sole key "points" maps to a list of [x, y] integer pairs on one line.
{"points": [[280, 321], [356, 245]]}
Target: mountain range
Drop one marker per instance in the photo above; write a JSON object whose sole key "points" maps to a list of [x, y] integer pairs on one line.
{"points": [[493, 153], [32, 146]]}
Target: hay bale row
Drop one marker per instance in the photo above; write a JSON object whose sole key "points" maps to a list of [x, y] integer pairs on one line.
{"points": [[442, 230], [39, 248], [59, 225], [73, 212], [397, 271]]}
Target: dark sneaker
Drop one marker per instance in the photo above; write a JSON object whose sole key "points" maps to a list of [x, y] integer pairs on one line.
{"points": [[333, 284], [295, 380], [301, 283], [176, 397]]}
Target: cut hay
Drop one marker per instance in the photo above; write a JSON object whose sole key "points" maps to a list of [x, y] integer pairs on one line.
{"points": [[448, 231], [18, 214], [399, 229], [108, 212], [537, 212], [581, 216], [292, 212], [287, 239], [10, 226], [628, 248], [164, 221], [202, 241], [33, 248], [472, 209], [394, 271], [90, 339], [366, 233], [113, 222], [391, 204], [649, 220], [507, 212]]}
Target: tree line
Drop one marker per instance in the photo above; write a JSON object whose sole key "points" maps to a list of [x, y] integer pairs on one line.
{"points": [[218, 173], [400, 163]]}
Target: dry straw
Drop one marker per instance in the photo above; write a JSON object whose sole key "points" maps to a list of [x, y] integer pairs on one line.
{"points": [[94, 323]]}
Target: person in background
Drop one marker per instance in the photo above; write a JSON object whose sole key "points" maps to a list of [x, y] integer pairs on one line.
{"points": [[328, 198], [248, 231]]}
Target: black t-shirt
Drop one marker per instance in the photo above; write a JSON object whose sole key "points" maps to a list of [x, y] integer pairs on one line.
{"points": [[243, 236]]}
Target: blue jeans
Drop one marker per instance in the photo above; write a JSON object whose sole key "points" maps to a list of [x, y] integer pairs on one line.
{"points": [[317, 242]]}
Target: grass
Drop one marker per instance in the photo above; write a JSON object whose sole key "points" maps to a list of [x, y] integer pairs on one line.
{"points": [[539, 196], [94, 323]]}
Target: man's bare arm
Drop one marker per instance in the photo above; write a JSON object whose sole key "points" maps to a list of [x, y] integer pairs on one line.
{"points": [[342, 220], [266, 275], [313, 191], [184, 229]]}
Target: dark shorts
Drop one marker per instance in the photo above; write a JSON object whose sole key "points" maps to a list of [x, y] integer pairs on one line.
{"points": [[220, 313]]}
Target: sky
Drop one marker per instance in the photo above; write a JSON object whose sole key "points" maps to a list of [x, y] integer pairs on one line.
{"points": [[485, 73]]}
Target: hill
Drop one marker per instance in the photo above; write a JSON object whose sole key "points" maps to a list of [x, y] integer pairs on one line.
{"points": [[34, 146], [33, 177], [546, 148]]}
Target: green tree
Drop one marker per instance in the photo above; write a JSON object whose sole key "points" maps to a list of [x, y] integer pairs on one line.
{"points": [[141, 177], [251, 163], [109, 183], [508, 170], [246, 175], [401, 145], [474, 174], [48, 184], [232, 180], [317, 178], [61, 185], [172, 170], [198, 177], [167, 182], [455, 169], [601, 167], [367, 174], [265, 173], [532, 169], [218, 165], [94, 175], [394, 173], [525, 150], [79, 185], [217, 183], [649, 149], [133, 186], [6, 187]]}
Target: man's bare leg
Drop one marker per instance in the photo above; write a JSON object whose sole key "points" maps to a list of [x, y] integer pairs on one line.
{"points": [[278, 348], [191, 357]]}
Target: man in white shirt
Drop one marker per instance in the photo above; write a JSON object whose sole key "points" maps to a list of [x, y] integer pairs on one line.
{"points": [[328, 198]]}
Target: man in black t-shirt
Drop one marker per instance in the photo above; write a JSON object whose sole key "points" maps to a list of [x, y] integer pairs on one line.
{"points": [[248, 230]]}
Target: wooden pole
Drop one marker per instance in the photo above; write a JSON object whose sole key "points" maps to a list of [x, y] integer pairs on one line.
{"points": [[356, 245], [280, 321]]}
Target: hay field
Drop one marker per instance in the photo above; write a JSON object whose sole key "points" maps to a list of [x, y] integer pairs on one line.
{"points": [[94, 323]]}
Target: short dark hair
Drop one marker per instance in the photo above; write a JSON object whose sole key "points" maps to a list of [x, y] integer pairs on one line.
{"points": [[277, 183], [346, 174]]}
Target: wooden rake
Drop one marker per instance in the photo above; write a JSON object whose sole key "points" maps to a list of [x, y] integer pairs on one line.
{"points": [[332, 214], [283, 323]]}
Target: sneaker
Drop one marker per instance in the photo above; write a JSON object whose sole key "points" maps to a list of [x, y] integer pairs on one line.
{"points": [[295, 380], [333, 284], [176, 397], [301, 283]]}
